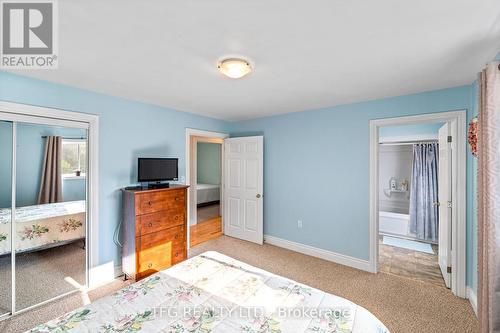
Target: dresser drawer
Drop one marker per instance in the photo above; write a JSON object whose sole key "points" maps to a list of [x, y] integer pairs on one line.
{"points": [[159, 201], [160, 250], [154, 222]]}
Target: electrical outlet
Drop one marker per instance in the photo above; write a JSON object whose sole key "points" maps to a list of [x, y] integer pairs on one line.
{"points": [[299, 223]]}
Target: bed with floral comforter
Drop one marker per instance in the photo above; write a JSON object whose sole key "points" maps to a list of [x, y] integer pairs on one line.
{"points": [[40, 226], [215, 293]]}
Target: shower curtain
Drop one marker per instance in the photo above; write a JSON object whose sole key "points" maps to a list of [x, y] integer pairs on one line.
{"points": [[424, 213]]}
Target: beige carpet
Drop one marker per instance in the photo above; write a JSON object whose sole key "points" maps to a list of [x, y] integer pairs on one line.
{"points": [[42, 275], [403, 305], [25, 321]]}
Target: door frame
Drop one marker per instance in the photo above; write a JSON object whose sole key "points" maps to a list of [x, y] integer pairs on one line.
{"points": [[457, 120], [17, 112], [206, 136]]}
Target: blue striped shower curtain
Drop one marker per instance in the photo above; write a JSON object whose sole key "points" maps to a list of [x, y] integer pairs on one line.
{"points": [[424, 214]]}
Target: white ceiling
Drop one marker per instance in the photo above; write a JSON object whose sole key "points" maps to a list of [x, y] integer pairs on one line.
{"points": [[306, 54]]}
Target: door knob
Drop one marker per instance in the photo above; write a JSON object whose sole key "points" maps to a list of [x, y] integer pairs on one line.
{"points": [[258, 195]]}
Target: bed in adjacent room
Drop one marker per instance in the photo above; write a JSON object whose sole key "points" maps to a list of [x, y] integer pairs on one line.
{"points": [[215, 293], [42, 226], [207, 194]]}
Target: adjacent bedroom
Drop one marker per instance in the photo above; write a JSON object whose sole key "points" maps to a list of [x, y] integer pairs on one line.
{"points": [[206, 169]]}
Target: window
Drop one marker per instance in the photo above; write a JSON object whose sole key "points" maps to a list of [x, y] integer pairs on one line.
{"points": [[74, 158]]}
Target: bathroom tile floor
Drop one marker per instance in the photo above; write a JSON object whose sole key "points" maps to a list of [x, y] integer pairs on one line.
{"points": [[410, 264]]}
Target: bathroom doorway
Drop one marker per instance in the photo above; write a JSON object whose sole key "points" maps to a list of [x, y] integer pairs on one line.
{"points": [[409, 164], [416, 165]]}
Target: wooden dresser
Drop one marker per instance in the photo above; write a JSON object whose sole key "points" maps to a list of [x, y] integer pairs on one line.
{"points": [[154, 230]]}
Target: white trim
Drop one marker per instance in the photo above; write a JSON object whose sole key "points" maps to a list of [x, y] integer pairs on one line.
{"points": [[57, 117], [409, 138], [13, 203], [457, 120], [70, 176], [471, 295], [190, 132], [338, 258]]}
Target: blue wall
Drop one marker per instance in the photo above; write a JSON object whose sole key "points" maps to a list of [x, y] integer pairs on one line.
{"points": [[5, 164], [316, 162], [127, 130], [208, 163], [316, 169], [418, 129], [30, 150]]}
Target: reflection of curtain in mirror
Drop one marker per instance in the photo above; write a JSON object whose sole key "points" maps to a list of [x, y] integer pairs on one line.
{"points": [[424, 215], [488, 188], [51, 182]]}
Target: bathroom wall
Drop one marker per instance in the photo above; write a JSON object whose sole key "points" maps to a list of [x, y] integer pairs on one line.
{"points": [[394, 161]]}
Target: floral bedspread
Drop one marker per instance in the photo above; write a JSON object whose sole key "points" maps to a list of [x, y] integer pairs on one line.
{"points": [[40, 225], [215, 293]]}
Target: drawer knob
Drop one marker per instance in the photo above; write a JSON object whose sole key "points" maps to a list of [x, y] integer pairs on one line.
{"points": [[176, 254], [149, 203], [150, 224], [176, 198], [176, 217], [150, 265], [176, 236]]}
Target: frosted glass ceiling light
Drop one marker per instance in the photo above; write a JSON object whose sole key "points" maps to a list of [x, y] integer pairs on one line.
{"points": [[234, 68]]}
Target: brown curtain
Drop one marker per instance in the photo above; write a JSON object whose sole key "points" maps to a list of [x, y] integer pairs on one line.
{"points": [[51, 183], [489, 199]]}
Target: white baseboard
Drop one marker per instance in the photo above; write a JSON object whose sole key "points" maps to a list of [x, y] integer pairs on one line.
{"points": [[319, 253], [471, 295], [118, 271], [103, 274]]}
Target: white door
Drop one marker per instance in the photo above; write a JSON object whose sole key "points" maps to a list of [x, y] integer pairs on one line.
{"points": [[444, 193], [243, 199]]}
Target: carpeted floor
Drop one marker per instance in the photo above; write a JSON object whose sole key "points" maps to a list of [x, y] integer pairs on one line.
{"points": [[42, 275], [25, 321], [403, 305]]}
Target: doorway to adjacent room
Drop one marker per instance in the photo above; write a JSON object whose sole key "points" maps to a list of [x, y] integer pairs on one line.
{"points": [[205, 179]]}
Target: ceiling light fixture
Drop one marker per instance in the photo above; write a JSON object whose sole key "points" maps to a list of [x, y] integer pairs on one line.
{"points": [[234, 68]]}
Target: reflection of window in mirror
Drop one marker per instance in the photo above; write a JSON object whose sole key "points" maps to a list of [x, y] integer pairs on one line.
{"points": [[74, 158]]}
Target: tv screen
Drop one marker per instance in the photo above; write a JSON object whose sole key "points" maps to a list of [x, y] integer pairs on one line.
{"points": [[157, 169]]}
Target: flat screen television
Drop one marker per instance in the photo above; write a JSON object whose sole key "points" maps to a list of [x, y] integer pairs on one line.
{"points": [[157, 169]]}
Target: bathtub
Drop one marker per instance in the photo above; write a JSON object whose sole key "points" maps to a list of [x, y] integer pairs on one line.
{"points": [[394, 224]]}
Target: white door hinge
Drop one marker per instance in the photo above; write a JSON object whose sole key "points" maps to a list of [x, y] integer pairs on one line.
{"points": [[449, 204]]}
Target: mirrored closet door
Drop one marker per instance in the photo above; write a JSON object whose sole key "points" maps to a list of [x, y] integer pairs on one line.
{"points": [[49, 232], [6, 163]]}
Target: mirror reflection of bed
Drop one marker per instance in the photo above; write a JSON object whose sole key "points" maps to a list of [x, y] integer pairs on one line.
{"points": [[208, 193], [50, 213]]}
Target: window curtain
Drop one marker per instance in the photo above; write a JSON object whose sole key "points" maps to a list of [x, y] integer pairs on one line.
{"points": [[488, 290], [51, 182], [424, 214]]}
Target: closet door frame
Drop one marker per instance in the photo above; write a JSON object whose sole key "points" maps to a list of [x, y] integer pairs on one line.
{"points": [[23, 113]]}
